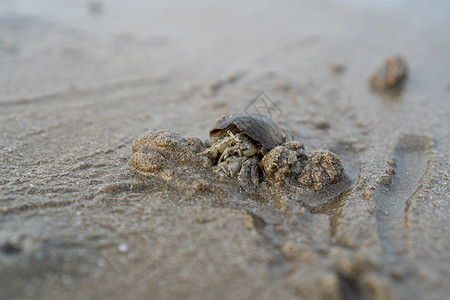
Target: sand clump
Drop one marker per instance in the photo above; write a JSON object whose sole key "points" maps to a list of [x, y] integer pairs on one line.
{"points": [[391, 74], [289, 164], [173, 158], [164, 150]]}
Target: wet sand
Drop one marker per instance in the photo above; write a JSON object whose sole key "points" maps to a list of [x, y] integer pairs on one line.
{"points": [[80, 81]]}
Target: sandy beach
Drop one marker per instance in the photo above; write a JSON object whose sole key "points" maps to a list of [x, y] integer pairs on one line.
{"points": [[81, 80]]}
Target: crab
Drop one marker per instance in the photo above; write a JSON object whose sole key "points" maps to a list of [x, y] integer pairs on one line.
{"points": [[238, 142]]}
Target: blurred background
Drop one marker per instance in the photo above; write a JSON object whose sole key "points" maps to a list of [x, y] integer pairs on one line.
{"points": [[91, 42]]}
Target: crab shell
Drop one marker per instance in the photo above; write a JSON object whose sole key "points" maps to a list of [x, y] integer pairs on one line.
{"points": [[260, 129]]}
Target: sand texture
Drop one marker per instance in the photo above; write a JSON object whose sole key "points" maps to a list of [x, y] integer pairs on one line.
{"points": [[105, 106]]}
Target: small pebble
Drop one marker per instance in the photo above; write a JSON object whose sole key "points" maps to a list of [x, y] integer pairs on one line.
{"points": [[338, 68], [123, 248]]}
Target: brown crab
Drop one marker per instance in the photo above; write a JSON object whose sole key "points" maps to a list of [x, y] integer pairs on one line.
{"points": [[248, 147], [239, 141]]}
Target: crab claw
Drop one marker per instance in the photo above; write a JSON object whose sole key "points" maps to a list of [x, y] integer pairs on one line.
{"points": [[250, 173]]}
